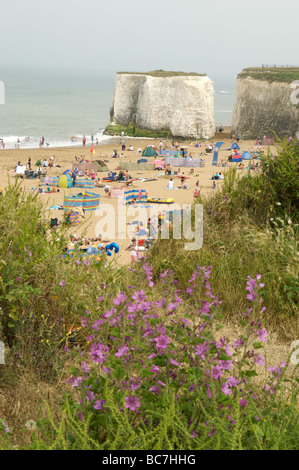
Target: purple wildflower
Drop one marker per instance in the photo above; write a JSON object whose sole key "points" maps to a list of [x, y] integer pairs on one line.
{"points": [[6, 428], [120, 299], [201, 349], [225, 389], [174, 363], [132, 402], [98, 404], [77, 382], [216, 372], [232, 381], [85, 367], [155, 369], [97, 352], [262, 334], [162, 342], [243, 403], [122, 351], [139, 296], [90, 395], [259, 360], [226, 365]]}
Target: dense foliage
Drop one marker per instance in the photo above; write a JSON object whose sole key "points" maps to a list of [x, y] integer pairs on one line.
{"points": [[145, 358]]}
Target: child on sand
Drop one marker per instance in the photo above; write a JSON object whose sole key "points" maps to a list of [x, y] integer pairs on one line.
{"points": [[134, 255]]}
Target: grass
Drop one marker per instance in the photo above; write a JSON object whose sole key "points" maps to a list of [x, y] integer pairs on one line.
{"points": [[284, 75], [133, 131]]}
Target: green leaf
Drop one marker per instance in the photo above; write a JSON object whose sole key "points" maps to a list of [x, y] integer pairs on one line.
{"points": [[250, 373], [258, 345]]}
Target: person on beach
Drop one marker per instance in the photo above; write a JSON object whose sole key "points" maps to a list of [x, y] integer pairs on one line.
{"points": [[134, 255], [182, 179], [170, 184]]}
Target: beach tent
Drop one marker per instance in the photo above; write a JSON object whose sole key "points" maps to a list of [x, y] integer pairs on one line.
{"points": [[102, 165], [183, 151], [236, 158], [235, 146], [65, 181], [150, 152], [67, 172], [246, 156]]}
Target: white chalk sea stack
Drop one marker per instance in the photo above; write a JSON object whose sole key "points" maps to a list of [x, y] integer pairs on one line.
{"points": [[182, 104], [266, 100]]}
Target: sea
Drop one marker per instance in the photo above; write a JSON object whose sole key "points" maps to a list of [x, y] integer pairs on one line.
{"points": [[64, 106]]}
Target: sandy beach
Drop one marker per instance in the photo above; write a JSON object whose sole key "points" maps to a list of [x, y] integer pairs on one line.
{"points": [[92, 225]]}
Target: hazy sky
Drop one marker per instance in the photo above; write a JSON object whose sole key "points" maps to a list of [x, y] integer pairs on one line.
{"points": [[209, 36]]}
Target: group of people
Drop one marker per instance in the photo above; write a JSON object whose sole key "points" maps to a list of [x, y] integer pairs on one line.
{"points": [[90, 246], [42, 142], [47, 163]]}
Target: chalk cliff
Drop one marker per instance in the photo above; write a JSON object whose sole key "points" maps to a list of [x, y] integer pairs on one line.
{"points": [[183, 104], [266, 100]]}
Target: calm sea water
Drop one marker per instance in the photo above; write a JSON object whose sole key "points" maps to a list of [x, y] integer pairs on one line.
{"points": [[60, 105]]}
